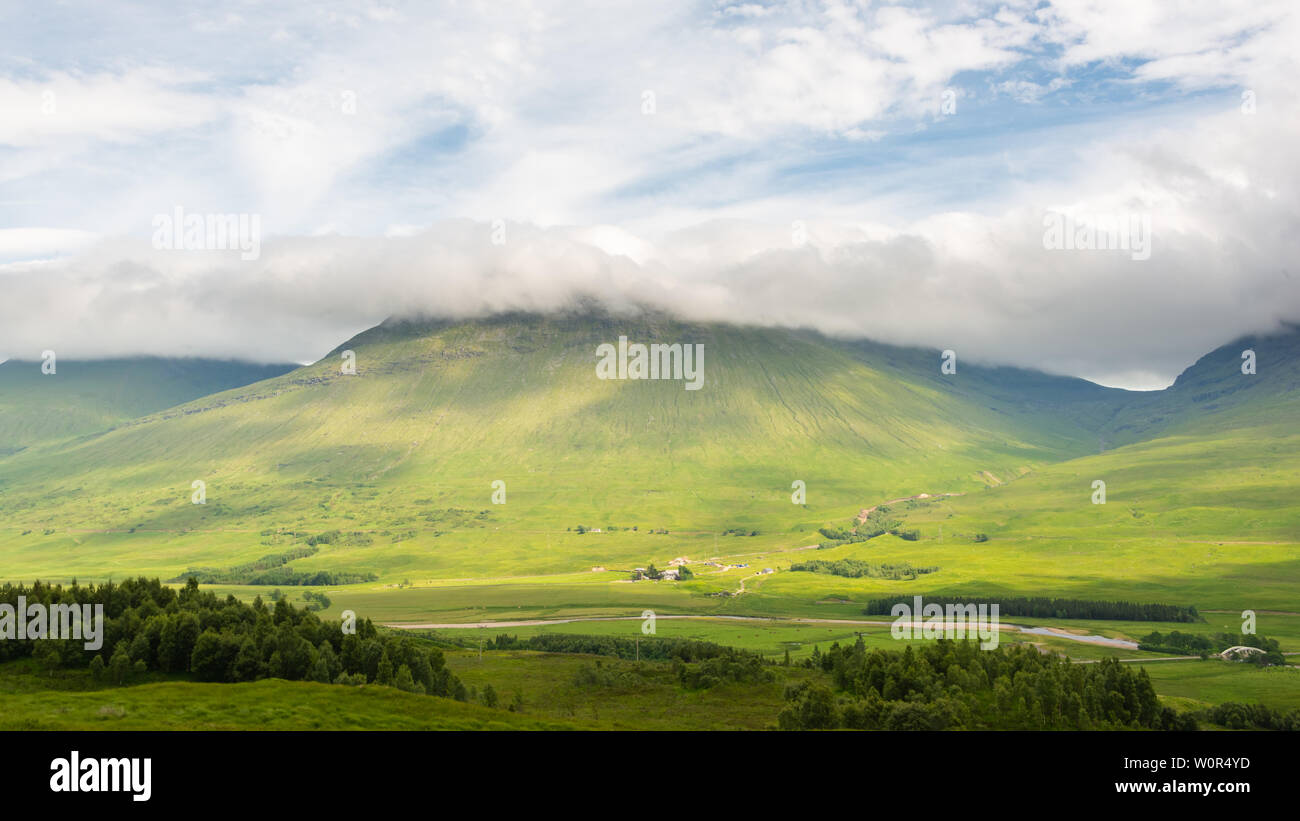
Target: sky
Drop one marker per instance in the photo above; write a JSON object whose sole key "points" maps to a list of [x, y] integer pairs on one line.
{"points": [[885, 170]]}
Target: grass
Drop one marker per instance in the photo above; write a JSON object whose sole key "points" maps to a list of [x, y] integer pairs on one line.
{"points": [[655, 702], [83, 397], [545, 683], [407, 450], [262, 705], [773, 638], [1206, 683]]}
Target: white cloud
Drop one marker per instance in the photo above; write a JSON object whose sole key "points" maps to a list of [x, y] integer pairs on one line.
{"points": [[1196, 44], [103, 107], [41, 243], [1220, 193]]}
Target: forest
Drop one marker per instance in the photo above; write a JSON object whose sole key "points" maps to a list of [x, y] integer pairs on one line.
{"points": [[149, 626]]}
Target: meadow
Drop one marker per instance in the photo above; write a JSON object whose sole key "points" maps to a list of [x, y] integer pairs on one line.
{"points": [[259, 705], [533, 691]]}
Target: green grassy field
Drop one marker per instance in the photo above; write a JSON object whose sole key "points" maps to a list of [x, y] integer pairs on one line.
{"points": [[773, 638], [655, 701], [544, 688], [259, 705], [1184, 683]]}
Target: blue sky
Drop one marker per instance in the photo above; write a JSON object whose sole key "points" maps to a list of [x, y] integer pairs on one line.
{"points": [[388, 137]]}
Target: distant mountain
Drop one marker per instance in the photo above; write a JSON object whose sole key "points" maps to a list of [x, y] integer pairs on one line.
{"points": [[83, 397], [1215, 393], [406, 452], [1196, 498]]}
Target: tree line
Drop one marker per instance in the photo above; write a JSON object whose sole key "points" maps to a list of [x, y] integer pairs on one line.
{"points": [[272, 569], [1236, 716], [149, 626], [857, 569], [646, 648], [878, 523], [1192, 644], [955, 685]]}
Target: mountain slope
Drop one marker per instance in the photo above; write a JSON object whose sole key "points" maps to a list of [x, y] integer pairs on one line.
{"points": [[406, 451], [1203, 508], [391, 471], [83, 397], [1069, 411], [1214, 393]]}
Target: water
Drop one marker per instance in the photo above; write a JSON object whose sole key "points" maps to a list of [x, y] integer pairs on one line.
{"points": [[1047, 631]]}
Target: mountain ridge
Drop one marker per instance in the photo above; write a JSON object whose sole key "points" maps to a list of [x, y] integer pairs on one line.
{"points": [[410, 448], [85, 396]]}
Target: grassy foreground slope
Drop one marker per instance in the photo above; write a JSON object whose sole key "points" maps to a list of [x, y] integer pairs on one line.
{"points": [[260, 705], [401, 457]]}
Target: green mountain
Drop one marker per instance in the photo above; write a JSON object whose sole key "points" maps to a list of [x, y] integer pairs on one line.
{"points": [[83, 397], [1215, 393], [392, 471], [1201, 505]]}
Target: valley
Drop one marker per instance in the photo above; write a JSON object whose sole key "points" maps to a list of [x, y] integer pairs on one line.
{"points": [[392, 474]]}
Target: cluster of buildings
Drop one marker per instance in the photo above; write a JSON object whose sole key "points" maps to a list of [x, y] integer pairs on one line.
{"points": [[673, 571]]}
